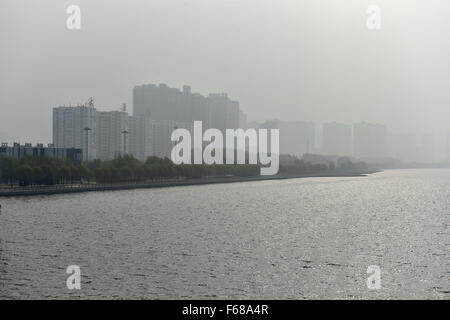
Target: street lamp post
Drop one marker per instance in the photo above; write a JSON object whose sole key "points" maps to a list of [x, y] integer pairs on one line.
{"points": [[125, 132], [87, 129]]}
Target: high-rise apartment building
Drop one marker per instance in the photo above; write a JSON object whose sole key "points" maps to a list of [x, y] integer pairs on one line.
{"points": [[164, 103], [140, 137], [224, 112], [111, 134], [74, 127], [243, 122], [296, 137], [158, 110], [160, 136], [100, 134], [370, 140], [337, 139], [404, 147], [427, 149]]}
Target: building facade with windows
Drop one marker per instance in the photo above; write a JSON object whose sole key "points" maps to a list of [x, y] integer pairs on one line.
{"points": [[111, 134], [18, 151], [74, 127]]}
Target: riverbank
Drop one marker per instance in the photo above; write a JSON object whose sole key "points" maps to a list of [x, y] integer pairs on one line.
{"points": [[89, 187]]}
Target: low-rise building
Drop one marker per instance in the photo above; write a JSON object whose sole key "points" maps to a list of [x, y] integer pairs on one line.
{"points": [[18, 151]]}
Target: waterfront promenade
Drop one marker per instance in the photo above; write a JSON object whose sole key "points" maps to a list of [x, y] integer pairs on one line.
{"points": [[8, 191]]}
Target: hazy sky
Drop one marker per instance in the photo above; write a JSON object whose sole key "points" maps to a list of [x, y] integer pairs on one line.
{"points": [[305, 59]]}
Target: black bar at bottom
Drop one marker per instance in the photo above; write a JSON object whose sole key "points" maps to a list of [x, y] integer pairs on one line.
{"points": [[223, 309]]}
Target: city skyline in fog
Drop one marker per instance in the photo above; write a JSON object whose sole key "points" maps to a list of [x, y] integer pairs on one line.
{"points": [[288, 60]]}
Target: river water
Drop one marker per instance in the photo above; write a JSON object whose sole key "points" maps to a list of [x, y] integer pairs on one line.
{"points": [[310, 238]]}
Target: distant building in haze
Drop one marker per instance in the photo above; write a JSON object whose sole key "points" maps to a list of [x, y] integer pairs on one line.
{"points": [[160, 136], [296, 137], [370, 140], [158, 111], [140, 137], [404, 147], [427, 149], [243, 123], [337, 139], [160, 102], [168, 108], [224, 112]]}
